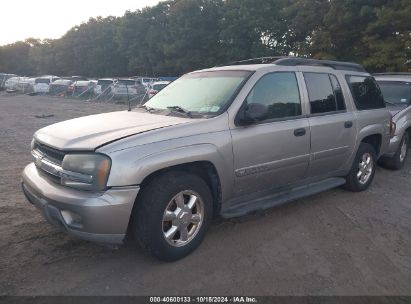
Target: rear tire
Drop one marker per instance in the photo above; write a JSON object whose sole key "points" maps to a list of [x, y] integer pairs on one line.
{"points": [[397, 161], [172, 215], [363, 169]]}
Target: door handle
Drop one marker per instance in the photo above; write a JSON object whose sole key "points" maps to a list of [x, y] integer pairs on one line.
{"points": [[348, 124], [299, 132]]}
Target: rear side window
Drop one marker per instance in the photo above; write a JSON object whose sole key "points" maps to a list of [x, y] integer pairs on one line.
{"points": [[279, 93], [324, 92], [365, 92]]}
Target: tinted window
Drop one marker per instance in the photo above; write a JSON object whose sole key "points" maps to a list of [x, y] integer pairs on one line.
{"points": [[320, 92], [104, 82], [365, 92], [396, 92], [279, 93], [338, 93]]}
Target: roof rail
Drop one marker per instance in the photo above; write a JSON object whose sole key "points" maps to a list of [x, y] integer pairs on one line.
{"points": [[257, 60], [337, 65], [393, 74]]}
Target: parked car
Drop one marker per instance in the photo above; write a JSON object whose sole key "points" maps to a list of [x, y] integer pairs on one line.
{"points": [[16, 83], [156, 87], [84, 88], [3, 79], [42, 84], [396, 89], [127, 86], [223, 141], [104, 86], [146, 81], [60, 86]]}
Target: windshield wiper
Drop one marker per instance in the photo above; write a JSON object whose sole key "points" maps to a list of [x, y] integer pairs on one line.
{"points": [[391, 103], [148, 109], [180, 110]]}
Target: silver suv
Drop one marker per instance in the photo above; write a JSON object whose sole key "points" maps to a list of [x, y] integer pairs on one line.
{"points": [[396, 89], [223, 141]]}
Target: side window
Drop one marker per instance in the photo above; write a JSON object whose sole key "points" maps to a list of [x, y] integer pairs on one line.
{"points": [[278, 93], [320, 93], [365, 92], [338, 93]]}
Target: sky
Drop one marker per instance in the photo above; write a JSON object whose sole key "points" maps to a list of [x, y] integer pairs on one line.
{"points": [[21, 19]]}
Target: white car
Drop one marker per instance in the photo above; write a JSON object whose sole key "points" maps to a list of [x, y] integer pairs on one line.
{"points": [[104, 86], [156, 87], [127, 86], [23, 84], [146, 81], [42, 84]]}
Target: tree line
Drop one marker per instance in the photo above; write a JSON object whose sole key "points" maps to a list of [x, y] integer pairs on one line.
{"points": [[177, 36]]}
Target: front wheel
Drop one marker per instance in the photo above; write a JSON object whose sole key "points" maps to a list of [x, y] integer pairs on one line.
{"points": [[172, 215], [363, 169]]}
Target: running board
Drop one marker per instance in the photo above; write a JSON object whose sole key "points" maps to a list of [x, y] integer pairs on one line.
{"points": [[243, 206]]}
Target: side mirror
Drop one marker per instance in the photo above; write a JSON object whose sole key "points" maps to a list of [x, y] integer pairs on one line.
{"points": [[252, 113]]}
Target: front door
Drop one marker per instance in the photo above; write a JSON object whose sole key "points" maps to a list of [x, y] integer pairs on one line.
{"points": [[273, 151]]}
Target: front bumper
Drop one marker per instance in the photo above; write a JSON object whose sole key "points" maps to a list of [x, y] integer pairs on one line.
{"points": [[101, 217]]}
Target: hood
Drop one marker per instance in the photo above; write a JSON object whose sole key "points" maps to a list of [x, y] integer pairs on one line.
{"points": [[395, 109], [90, 132]]}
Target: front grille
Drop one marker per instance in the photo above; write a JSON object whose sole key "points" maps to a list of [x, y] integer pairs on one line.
{"points": [[54, 155]]}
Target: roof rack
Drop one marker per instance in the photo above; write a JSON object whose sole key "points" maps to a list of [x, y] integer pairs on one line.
{"points": [[393, 74], [337, 65], [257, 60]]}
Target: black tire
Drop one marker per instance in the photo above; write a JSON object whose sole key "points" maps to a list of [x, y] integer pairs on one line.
{"points": [[396, 162], [352, 181], [147, 225]]}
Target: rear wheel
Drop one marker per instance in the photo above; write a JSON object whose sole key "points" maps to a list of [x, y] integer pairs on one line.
{"points": [[397, 161], [172, 215], [363, 169]]}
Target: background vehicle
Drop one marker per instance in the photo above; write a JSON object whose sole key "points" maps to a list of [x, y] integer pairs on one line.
{"points": [[156, 87], [146, 81], [3, 79], [396, 89], [84, 88], [60, 86], [127, 86], [104, 86], [223, 141], [42, 84]]}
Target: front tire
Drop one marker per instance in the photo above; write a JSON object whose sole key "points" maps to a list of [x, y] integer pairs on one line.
{"points": [[363, 169], [397, 161], [172, 215]]}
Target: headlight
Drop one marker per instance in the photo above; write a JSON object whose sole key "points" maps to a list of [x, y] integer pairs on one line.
{"points": [[85, 171]]}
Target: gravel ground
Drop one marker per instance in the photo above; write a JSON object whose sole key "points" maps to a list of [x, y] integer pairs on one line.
{"points": [[334, 243]]}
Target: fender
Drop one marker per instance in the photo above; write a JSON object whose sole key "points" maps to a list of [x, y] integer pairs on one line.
{"points": [[125, 173]]}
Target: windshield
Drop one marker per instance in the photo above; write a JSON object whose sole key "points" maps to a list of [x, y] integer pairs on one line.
{"points": [[396, 92], [42, 80], [127, 82], [201, 92], [159, 87], [104, 82]]}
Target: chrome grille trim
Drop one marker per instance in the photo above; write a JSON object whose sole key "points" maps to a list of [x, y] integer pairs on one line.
{"points": [[43, 163]]}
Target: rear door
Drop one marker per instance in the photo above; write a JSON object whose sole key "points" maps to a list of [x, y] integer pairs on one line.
{"points": [[333, 128]]}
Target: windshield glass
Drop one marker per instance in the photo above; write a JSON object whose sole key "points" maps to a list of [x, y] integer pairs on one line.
{"points": [[104, 82], [396, 92], [202, 92], [127, 82], [42, 80], [159, 87]]}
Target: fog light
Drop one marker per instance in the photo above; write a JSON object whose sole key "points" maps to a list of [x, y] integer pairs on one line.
{"points": [[71, 219]]}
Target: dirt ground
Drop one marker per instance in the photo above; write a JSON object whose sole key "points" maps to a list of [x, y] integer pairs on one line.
{"points": [[334, 243]]}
